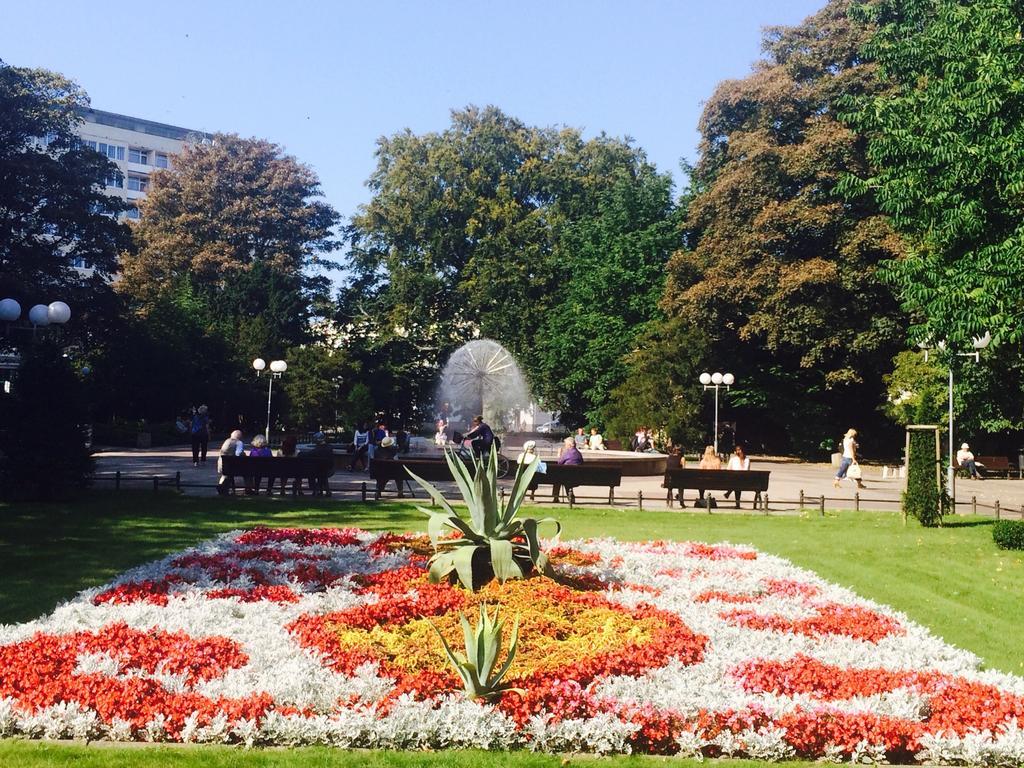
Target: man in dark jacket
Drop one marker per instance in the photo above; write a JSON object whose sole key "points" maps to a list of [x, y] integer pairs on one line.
{"points": [[481, 436]]}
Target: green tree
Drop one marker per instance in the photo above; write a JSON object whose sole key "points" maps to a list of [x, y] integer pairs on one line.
{"points": [[239, 222], [946, 141], [313, 386], [491, 227], [53, 210], [611, 257], [659, 389], [225, 271], [781, 270]]}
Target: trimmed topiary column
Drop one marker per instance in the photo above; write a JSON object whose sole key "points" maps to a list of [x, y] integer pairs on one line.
{"points": [[924, 497]]}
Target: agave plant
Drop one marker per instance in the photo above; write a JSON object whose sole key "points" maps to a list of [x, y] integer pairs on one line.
{"points": [[483, 646], [495, 542]]}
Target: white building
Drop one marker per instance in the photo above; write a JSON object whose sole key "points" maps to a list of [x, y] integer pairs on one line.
{"points": [[137, 146]]}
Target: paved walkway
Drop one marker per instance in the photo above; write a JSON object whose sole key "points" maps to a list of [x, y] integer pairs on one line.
{"points": [[788, 479]]}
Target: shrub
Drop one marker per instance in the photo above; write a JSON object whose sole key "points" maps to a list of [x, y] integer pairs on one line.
{"points": [[1009, 534], [925, 498]]}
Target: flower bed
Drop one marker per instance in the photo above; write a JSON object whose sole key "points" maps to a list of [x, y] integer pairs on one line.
{"points": [[291, 637]]}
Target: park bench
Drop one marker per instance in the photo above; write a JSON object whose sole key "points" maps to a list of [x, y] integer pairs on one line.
{"points": [[385, 470], [702, 480], [316, 468], [571, 476], [991, 464]]}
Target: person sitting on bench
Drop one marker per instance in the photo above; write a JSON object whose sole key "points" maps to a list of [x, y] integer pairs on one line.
{"points": [[529, 455], [570, 453], [965, 460], [709, 460], [738, 462]]}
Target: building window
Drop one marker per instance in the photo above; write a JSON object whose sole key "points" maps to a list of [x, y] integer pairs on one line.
{"points": [[79, 263], [140, 156], [132, 212], [138, 183], [162, 160], [112, 151], [90, 144], [115, 180]]}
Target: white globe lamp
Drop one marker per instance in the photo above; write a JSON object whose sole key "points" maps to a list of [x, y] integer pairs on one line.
{"points": [[58, 312], [980, 342], [705, 379], [716, 378], [259, 363], [39, 315], [279, 366], [10, 310], [728, 379]]}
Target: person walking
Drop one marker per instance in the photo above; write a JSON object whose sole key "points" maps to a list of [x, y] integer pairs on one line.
{"points": [[200, 429], [848, 460]]}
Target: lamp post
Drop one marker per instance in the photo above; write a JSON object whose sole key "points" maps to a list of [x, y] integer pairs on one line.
{"points": [[39, 316], [979, 343], [716, 381], [277, 368]]}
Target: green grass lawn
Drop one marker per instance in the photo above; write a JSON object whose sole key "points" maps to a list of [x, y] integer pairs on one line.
{"points": [[953, 580]]}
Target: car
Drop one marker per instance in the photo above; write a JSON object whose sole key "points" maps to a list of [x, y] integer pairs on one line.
{"points": [[553, 428]]}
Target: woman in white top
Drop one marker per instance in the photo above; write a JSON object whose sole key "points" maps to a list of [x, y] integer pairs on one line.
{"points": [[849, 457], [738, 462], [529, 455]]}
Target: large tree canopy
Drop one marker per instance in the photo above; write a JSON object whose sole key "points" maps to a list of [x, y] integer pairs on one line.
{"points": [[782, 271], [947, 151], [222, 273], [53, 210], [532, 236]]}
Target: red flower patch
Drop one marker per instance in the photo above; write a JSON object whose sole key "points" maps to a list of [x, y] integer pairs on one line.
{"points": [[302, 537], [41, 671], [831, 619]]}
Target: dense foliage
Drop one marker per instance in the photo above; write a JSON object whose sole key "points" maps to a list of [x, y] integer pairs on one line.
{"points": [[946, 141], [1009, 534], [781, 273], [43, 430], [52, 201], [550, 244], [222, 273], [924, 498]]}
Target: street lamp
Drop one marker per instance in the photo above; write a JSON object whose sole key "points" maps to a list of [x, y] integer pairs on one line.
{"points": [[716, 381], [277, 367], [39, 316], [979, 343]]}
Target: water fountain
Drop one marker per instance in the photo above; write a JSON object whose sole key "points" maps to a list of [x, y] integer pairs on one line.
{"points": [[482, 377]]}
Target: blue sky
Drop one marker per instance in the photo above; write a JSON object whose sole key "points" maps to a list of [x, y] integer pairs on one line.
{"points": [[326, 79]]}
